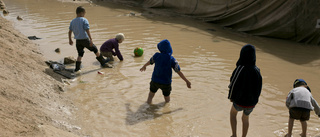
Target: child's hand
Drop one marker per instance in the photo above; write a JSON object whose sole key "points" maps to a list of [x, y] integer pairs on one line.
{"points": [[143, 68], [188, 84], [71, 42]]}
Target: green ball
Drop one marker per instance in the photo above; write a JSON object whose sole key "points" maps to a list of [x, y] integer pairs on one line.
{"points": [[138, 51]]}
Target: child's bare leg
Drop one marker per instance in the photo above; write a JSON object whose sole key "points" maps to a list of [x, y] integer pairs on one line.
{"points": [[150, 97], [245, 125], [304, 128], [233, 121], [167, 99], [290, 126]]}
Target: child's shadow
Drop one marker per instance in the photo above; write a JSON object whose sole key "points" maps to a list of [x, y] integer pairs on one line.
{"points": [[145, 112]]}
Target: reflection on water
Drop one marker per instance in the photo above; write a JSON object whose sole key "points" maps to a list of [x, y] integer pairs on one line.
{"points": [[146, 112], [113, 103]]}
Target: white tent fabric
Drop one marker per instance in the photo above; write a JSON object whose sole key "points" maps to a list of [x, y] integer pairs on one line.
{"points": [[286, 19]]}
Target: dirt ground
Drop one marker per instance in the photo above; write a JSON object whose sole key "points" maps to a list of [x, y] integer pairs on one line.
{"points": [[32, 101]]}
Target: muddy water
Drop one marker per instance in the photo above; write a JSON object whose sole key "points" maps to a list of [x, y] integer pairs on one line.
{"points": [[113, 104]]}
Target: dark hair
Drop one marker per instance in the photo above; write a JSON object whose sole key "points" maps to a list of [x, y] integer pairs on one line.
{"points": [[80, 9], [300, 83]]}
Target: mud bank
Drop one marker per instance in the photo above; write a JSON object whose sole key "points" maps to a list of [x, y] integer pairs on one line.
{"points": [[32, 101]]}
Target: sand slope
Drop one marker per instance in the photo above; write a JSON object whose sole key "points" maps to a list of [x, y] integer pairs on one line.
{"points": [[32, 101]]}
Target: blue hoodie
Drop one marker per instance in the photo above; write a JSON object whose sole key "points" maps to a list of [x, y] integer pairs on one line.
{"points": [[246, 80], [162, 72]]}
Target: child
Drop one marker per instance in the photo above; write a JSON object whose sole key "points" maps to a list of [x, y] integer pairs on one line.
{"points": [[244, 89], [80, 28], [299, 102], [107, 47], [162, 73]]}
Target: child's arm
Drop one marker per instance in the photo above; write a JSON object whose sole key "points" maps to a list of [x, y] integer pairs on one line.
{"points": [[316, 106], [118, 53], [144, 67], [288, 100], [185, 79], [88, 32], [70, 39]]}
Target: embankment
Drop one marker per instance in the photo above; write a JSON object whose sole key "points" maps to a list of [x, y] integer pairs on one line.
{"points": [[32, 101]]}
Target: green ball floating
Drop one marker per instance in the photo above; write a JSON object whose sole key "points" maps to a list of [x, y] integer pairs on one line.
{"points": [[138, 51]]}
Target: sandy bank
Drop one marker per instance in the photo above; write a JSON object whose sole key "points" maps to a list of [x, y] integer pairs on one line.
{"points": [[32, 101]]}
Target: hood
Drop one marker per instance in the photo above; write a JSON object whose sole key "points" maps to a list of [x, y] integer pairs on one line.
{"points": [[164, 47], [247, 56]]}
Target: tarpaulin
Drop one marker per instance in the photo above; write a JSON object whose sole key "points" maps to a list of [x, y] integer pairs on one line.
{"points": [[296, 20]]}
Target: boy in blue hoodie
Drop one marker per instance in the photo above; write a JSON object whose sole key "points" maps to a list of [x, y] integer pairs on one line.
{"points": [[244, 89], [162, 73]]}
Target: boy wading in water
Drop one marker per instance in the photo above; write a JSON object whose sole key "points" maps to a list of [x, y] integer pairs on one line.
{"points": [[244, 89], [299, 102], [162, 73], [80, 28]]}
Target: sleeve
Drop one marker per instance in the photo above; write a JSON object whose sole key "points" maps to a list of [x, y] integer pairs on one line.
{"points": [[152, 61], [316, 106], [86, 24], [232, 82], [259, 82], [235, 81], [70, 27], [232, 77], [288, 99], [175, 65], [118, 53]]}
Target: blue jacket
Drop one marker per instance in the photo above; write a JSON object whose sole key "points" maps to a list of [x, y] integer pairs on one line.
{"points": [[246, 80], [164, 63]]}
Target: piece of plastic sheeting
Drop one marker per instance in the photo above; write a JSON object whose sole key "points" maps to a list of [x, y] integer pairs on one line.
{"points": [[286, 19]]}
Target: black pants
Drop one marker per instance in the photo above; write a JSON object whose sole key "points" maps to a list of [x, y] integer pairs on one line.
{"points": [[85, 43]]}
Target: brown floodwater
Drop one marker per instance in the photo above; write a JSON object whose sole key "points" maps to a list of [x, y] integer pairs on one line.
{"points": [[113, 104]]}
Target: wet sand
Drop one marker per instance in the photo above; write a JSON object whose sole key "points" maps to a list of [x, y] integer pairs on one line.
{"points": [[113, 104]]}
